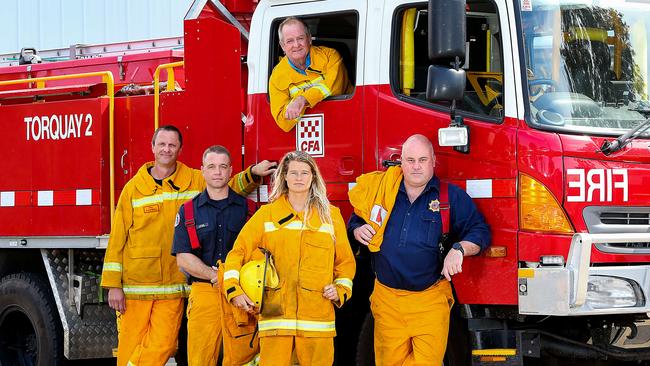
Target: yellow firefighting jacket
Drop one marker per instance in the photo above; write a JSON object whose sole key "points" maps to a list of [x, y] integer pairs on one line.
{"points": [[307, 258], [325, 76], [373, 198], [138, 258]]}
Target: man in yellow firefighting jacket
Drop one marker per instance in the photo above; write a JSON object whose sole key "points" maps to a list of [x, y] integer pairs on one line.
{"points": [[307, 240], [402, 215], [305, 76], [206, 229], [144, 282]]}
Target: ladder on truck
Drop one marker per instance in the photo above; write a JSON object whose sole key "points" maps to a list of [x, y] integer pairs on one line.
{"points": [[83, 51]]}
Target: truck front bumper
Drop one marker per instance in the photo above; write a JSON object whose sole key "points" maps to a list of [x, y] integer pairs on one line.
{"points": [[578, 288]]}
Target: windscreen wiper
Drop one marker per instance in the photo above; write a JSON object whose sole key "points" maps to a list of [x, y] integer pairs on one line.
{"points": [[609, 147]]}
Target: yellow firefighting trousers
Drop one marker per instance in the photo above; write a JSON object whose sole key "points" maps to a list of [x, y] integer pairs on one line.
{"points": [[310, 351], [203, 325], [208, 322], [148, 332], [411, 327]]}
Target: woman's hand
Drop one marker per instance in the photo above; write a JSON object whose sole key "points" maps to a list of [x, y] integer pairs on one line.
{"points": [[330, 293], [243, 302]]}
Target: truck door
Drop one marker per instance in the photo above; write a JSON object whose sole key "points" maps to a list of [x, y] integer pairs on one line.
{"points": [[488, 171], [331, 131]]}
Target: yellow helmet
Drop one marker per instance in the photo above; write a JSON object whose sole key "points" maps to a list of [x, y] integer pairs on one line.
{"points": [[252, 281]]}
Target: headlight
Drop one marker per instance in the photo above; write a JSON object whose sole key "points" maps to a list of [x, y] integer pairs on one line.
{"points": [[612, 292]]}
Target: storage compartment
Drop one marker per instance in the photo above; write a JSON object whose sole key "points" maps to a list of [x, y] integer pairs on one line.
{"points": [[55, 170]]}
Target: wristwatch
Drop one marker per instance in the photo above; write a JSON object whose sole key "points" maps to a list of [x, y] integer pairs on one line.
{"points": [[458, 247]]}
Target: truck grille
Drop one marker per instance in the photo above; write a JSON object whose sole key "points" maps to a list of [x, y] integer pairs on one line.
{"points": [[625, 218], [613, 220]]}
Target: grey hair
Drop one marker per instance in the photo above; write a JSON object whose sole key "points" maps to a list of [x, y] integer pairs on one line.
{"points": [[291, 20]]}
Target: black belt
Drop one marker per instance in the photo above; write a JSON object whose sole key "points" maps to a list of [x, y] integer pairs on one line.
{"points": [[193, 279]]}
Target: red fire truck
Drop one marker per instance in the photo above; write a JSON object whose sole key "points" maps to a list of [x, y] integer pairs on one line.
{"points": [[537, 108]]}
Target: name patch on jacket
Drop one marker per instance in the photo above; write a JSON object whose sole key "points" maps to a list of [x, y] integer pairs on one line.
{"points": [[378, 214], [151, 209]]}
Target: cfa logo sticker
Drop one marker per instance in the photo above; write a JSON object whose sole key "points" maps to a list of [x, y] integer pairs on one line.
{"points": [[310, 135]]}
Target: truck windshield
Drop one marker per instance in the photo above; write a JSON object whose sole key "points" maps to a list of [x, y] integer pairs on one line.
{"points": [[587, 64]]}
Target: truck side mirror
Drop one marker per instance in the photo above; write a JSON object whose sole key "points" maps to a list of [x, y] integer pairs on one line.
{"points": [[446, 30], [445, 84]]}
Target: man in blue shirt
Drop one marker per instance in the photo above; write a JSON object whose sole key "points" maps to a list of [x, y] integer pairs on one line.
{"points": [[403, 227], [218, 215]]}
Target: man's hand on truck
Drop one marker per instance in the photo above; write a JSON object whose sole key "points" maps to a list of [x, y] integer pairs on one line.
{"points": [[116, 299], [264, 168]]}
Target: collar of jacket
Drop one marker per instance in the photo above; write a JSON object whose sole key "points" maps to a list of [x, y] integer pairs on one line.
{"points": [[286, 214], [181, 179], [307, 64]]}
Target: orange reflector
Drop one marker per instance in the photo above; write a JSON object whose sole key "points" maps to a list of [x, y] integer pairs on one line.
{"points": [[492, 359], [496, 251]]}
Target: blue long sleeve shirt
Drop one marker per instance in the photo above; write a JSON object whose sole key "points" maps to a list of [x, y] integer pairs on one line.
{"points": [[217, 223], [410, 257]]}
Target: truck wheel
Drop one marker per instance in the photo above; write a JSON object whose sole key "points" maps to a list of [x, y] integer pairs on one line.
{"points": [[29, 330]]}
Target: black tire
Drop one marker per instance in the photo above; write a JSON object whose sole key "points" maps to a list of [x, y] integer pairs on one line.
{"points": [[30, 333]]}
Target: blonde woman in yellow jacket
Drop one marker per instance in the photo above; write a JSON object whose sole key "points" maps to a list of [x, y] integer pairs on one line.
{"points": [[307, 238], [144, 282]]}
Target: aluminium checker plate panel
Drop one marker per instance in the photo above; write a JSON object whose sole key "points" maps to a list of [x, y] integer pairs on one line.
{"points": [[89, 327]]}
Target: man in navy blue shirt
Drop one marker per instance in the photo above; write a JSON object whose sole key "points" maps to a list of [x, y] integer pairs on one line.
{"points": [[412, 297], [219, 214]]}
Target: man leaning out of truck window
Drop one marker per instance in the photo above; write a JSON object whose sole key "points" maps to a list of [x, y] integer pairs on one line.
{"points": [[305, 76]]}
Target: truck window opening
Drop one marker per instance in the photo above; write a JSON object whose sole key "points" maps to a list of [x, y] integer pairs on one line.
{"points": [[335, 30], [483, 64]]}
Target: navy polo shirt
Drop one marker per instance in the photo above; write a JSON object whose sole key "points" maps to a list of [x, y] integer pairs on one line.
{"points": [[410, 257], [217, 223]]}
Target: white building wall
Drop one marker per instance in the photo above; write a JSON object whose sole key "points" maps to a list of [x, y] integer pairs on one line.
{"points": [[48, 24]]}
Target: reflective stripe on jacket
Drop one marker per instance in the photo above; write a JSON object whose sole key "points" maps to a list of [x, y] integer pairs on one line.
{"points": [[138, 258], [307, 258]]}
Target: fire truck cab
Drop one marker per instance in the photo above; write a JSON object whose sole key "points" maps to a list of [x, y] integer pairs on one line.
{"points": [[545, 130]]}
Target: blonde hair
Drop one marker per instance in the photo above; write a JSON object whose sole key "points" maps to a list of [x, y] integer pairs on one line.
{"points": [[317, 197]]}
